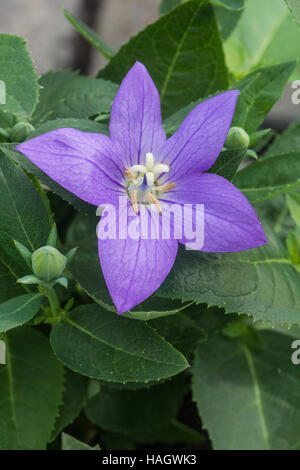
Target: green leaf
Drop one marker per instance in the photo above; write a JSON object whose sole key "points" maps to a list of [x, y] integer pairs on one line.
{"points": [[167, 5], [94, 39], [292, 244], [73, 400], [230, 4], [153, 308], [67, 94], [277, 172], [29, 280], [29, 167], [19, 76], [116, 410], [82, 227], [30, 392], [85, 125], [24, 252], [172, 432], [293, 202], [227, 163], [71, 254], [210, 320], [22, 214], [260, 282], [120, 386], [259, 92], [52, 239], [6, 119], [287, 142], [275, 213], [248, 398], [87, 271], [268, 38], [270, 177], [260, 137], [227, 12], [10, 272], [182, 52], [294, 6], [70, 443], [17, 311], [113, 348], [180, 330], [114, 441]]}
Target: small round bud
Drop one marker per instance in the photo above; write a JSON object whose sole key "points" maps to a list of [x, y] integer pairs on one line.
{"points": [[237, 139], [48, 263], [20, 131]]}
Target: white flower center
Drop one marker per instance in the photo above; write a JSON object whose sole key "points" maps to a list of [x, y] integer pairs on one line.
{"points": [[142, 186], [150, 170]]}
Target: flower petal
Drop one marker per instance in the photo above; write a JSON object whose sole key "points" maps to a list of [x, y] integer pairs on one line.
{"points": [[134, 268], [230, 222], [135, 121], [197, 143], [83, 163]]}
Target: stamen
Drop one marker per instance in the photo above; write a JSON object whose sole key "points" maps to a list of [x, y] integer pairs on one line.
{"points": [[142, 181], [134, 202], [129, 174], [165, 187], [150, 178], [149, 161], [154, 201], [160, 168]]}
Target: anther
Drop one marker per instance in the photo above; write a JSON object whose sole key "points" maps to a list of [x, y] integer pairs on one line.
{"points": [[134, 202], [154, 201], [165, 187], [129, 174]]}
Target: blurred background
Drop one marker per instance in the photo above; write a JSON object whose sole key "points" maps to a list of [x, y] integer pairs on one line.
{"points": [[54, 43]]}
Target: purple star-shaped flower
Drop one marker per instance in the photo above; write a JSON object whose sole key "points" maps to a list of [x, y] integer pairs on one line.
{"points": [[138, 161]]}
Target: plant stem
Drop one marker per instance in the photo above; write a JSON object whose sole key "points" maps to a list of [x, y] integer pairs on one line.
{"points": [[50, 293]]}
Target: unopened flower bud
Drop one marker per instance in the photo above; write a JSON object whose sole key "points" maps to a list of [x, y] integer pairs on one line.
{"points": [[21, 131], [48, 263], [237, 139]]}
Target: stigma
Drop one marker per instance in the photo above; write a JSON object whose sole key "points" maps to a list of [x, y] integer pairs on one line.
{"points": [[151, 170], [142, 186]]}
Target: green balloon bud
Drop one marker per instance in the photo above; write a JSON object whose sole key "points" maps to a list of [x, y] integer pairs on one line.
{"points": [[237, 139], [20, 131], [48, 263]]}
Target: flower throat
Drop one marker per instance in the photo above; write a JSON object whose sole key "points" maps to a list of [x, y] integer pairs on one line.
{"points": [[142, 186]]}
